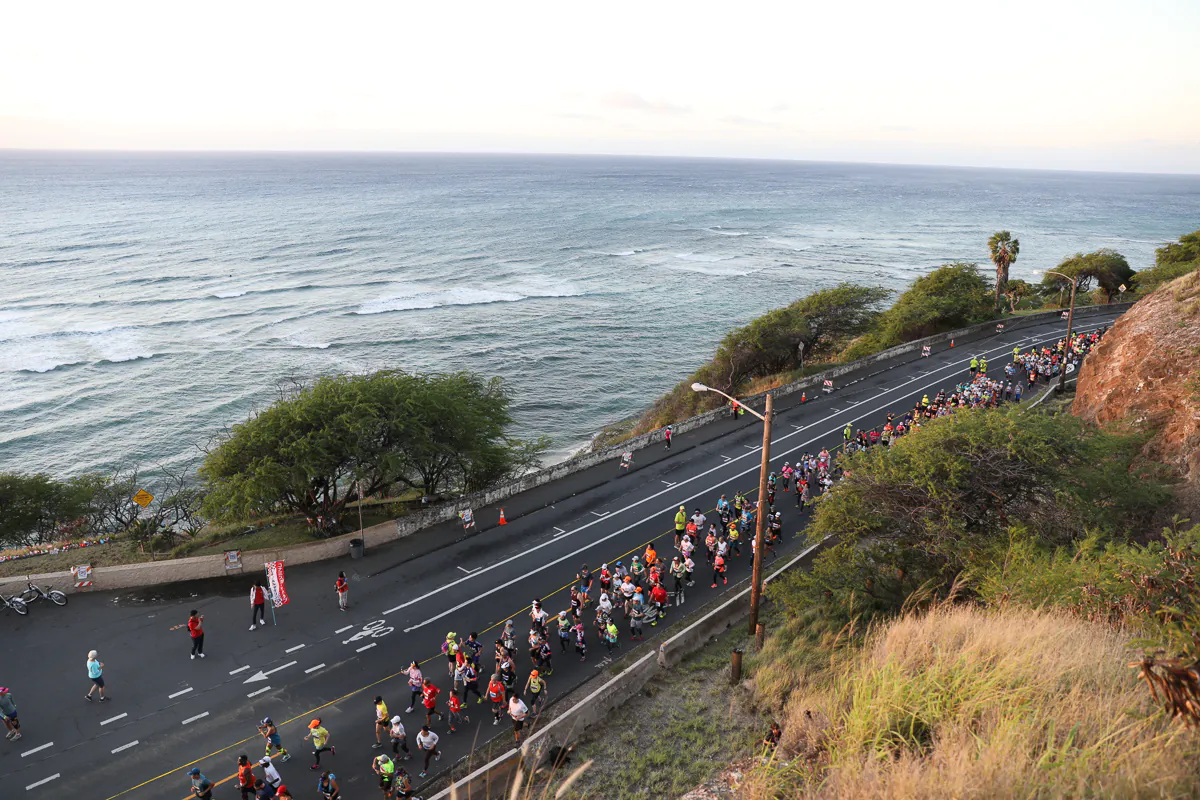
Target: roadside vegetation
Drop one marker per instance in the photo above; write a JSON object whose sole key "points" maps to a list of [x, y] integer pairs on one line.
{"points": [[1007, 609], [848, 321], [295, 471]]}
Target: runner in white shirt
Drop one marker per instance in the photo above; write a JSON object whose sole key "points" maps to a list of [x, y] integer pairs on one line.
{"points": [[270, 774], [427, 743], [518, 711]]}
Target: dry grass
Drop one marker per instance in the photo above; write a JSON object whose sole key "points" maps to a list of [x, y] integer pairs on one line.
{"points": [[962, 702]]}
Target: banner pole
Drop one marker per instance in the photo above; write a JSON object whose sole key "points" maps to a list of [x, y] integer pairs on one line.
{"points": [[270, 591]]}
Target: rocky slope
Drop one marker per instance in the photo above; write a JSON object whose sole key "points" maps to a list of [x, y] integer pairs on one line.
{"points": [[1147, 370]]}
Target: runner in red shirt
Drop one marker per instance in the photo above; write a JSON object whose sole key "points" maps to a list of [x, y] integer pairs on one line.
{"points": [[456, 715], [495, 694], [430, 693]]}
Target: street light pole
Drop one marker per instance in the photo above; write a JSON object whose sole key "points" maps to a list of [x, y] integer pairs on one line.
{"points": [[760, 520], [1062, 375]]}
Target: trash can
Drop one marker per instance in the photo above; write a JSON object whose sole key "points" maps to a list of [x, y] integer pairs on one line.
{"points": [[356, 548]]}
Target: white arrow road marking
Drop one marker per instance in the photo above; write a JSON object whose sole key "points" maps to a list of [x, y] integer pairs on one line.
{"points": [[134, 743], [179, 694], [727, 458], [468, 571], [560, 530], [239, 669], [953, 367], [365, 647], [259, 691], [600, 514], [313, 669], [294, 649], [37, 749], [343, 630], [668, 483], [262, 676], [193, 719], [42, 781], [114, 719]]}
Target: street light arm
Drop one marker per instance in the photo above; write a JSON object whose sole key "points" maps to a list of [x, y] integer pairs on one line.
{"points": [[699, 387]]}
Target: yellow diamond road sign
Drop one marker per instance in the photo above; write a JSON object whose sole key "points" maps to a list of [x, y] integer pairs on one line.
{"points": [[143, 498]]}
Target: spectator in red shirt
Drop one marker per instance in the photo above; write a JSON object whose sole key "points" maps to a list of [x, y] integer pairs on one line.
{"points": [[343, 591], [258, 604], [195, 625]]}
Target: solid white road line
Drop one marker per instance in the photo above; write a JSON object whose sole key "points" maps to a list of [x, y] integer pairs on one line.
{"points": [[294, 649], [313, 669], [114, 719], [193, 719], [950, 368], [343, 630], [239, 669], [134, 743], [179, 694], [37, 749], [365, 647], [259, 691], [43, 781]]}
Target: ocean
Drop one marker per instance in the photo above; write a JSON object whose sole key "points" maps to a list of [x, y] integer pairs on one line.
{"points": [[150, 300]]}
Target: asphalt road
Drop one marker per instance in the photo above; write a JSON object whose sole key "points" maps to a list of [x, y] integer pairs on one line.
{"points": [[169, 712]]}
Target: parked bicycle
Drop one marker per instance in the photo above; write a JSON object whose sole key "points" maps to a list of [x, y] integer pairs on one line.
{"points": [[38, 593], [15, 603]]}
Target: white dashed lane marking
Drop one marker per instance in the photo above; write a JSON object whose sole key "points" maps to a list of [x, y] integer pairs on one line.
{"points": [[37, 749], [193, 719], [114, 719], [179, 694], [365, 647], [313, 669], [134, 743], [343, 630], [294, 649], [239, 669], [259, 691], [43, 781]]}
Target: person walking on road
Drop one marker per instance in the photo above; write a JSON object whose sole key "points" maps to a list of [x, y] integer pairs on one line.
{"points": [[667, 434], [201, 785], [427, 742], [343, 591], [681, 520], [320, 739], [258, 606], [8, 710], [95, 669], [457, 717], [195, 626]]}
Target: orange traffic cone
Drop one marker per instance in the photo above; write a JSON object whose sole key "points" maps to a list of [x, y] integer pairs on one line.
{"points": [[503, 521], [952, 343], [804, 397]]}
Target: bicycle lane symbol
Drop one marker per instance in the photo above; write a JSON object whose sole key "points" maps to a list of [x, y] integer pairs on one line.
{"points": [[372, 629]]}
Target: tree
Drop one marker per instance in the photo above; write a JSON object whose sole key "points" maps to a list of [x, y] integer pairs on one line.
{"points": [[35, 508], [1003, 250], [1105, 269], [315, 448], [1017, 290], [820, 322], [951, 296], [1170, 262], [947, 500]]}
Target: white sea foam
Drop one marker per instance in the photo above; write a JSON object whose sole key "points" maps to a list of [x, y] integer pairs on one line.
{"points": [[722, 232], [227, 294], [416, 298], [48, 353], [703, 257], [305, 343]]}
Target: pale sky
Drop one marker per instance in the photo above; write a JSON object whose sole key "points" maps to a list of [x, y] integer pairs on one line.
{"points": [[1091, 85]]}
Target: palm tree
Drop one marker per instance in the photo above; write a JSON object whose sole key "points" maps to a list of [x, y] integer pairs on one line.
{"points": [[1004, 251]]}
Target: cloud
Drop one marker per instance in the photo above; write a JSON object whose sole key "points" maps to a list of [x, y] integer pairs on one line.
{"points": [[577, 115], [738, 119], [635, 102]]}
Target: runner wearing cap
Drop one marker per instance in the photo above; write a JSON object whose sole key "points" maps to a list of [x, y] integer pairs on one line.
{"points": [[271, 734], [399, 737], [327, 785], [201, 785], [386, 770], [270, 774], [535, 687], [381, 721], [8, 710], [320, 739], [681, 520]]}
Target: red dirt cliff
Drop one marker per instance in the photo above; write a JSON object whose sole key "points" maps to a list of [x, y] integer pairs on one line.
{"points": [[1147, 370]]}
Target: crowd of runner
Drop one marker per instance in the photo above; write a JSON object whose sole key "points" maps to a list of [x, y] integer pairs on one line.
{"points": [[604, 602]]}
